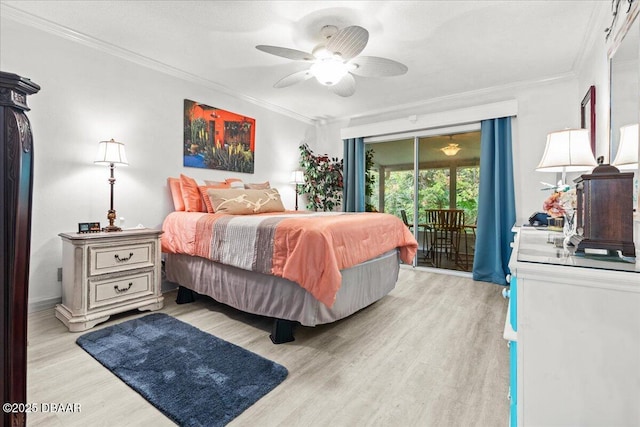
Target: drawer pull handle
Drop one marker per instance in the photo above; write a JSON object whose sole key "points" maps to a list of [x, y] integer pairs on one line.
{"points": [[117, 257], [120, 291]]}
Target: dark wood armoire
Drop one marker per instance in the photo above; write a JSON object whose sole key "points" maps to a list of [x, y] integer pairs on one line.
{"points": [[16, 186]]}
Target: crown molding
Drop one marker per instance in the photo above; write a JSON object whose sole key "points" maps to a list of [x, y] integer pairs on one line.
{"points": [[108, 48], [597, 23]]}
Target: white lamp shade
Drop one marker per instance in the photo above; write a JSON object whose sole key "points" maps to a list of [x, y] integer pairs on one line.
{"points": [[567, 150], [627, 155], [111, 152], [297, 177]]}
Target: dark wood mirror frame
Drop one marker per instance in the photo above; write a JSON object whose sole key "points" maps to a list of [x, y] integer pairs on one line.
{"points": [[588, 116], [16, 187]]}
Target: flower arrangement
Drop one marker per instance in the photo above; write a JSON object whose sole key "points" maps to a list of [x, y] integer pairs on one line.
{"points": [[560, 203]]}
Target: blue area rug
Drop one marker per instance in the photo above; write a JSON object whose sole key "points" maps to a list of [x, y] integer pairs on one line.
{"points": [[194, 378]]}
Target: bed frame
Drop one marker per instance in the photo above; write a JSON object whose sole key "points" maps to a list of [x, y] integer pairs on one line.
{"points": [[285, 301]]}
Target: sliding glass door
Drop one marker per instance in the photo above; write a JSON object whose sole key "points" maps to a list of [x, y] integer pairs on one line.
{"points": [[430, 171]]}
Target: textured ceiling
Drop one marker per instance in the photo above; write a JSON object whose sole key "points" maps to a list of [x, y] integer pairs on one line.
{"points": [[450, 47]]}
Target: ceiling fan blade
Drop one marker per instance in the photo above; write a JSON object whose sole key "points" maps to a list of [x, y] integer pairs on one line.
{"points": [[345, 87], [373, 66], [294, 78], [285, 52], [348, 42]]}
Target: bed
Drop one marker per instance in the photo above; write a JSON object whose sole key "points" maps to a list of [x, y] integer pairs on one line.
{"points": [[306, 268]]}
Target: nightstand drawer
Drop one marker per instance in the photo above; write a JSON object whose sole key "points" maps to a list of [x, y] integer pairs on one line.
{"points": [[108, 273], [120, 258], [106, 292]]}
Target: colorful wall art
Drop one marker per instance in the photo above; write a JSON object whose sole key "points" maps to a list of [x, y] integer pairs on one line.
{"points": [[218, 139]]}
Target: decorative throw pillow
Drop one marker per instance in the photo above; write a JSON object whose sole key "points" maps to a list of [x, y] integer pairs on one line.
{"points": [[215, 182], [235, 182], [176, 193], [206, 201], [243, 202], [190, 194], [231, 182], [257, 186]]}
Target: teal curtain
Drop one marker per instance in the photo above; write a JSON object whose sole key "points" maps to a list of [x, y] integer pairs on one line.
{"points": [[353, 175], [496, 204]]}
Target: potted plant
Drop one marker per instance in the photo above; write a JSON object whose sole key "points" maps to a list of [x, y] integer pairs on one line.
{"points": [[369, 180], [322, 180]]}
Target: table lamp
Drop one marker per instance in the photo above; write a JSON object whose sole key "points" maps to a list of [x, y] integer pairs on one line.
{"points": [[567, 150], [109, 153], [297, 178], [627, 155]]}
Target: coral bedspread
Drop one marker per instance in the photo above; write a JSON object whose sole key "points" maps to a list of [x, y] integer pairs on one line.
{"points": [[307, 248]]}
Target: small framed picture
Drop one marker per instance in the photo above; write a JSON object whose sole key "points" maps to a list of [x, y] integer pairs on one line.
{"points": [[89, 227]]}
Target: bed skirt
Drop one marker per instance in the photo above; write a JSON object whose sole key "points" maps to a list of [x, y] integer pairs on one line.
{"points": [[280, 298]]}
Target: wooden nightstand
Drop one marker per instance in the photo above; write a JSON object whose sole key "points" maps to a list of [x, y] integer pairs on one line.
{"points": [[108, 273]]}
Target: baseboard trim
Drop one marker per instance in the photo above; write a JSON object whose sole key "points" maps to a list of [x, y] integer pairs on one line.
{"points": [[43, 304]]}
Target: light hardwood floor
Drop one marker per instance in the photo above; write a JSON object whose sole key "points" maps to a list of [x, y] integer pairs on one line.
{"points": [[431, 353]]}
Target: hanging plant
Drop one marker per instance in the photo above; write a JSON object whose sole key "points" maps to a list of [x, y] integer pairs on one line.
{"points": [[322, 180]]}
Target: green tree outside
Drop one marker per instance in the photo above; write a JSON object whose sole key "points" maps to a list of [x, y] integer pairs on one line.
{"points": [[433, 185]]}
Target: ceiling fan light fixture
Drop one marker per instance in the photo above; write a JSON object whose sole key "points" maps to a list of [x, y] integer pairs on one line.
{"points": [[451, 149], [329, 71], [321, 52], [336, 60]]}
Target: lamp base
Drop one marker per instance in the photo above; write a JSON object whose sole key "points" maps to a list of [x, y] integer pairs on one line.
{"points": [[111, 216]]}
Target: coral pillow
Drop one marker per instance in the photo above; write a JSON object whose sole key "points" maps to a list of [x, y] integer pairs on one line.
{"points": [[216, 183], [176, 193], [258, 186], [243, 202], [190, 194], [205, 197]]}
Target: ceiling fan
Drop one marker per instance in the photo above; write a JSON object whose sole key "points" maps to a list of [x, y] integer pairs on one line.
{"points": [[335, 60]]}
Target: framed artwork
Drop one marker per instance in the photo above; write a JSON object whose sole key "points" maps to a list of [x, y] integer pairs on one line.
{"points": [[217, 139], [588, 116]]}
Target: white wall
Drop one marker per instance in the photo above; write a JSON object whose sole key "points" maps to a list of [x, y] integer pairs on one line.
{"points": [[87, 96], [328, 139], [593, 69]]}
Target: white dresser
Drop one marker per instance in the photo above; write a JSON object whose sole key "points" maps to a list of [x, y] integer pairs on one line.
{"points": [[108, 273], [578, 336]]}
